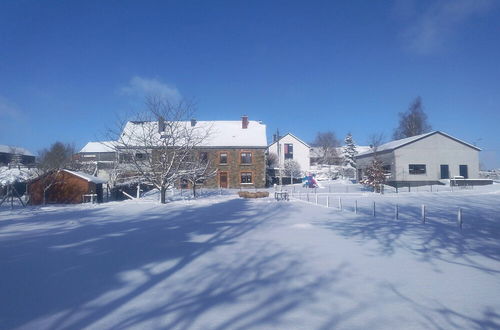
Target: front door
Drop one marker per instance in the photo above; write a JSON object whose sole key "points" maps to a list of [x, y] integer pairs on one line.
{"points": [[445, 172], [223, 179]]}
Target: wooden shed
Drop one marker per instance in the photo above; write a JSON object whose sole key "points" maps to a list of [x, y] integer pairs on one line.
{"points": [[65, 187]]}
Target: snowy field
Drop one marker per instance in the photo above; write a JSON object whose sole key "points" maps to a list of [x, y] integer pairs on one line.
{"points": [[220, 262]]}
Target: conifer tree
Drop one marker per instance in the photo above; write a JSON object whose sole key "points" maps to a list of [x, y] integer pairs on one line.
{"points": [[349, 151]]}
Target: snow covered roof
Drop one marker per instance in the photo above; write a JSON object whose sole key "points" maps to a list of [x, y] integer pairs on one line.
{"points": [[103, 146], [296, 138], [389, 146], [222, 133], [12, 175], [86, 176], [15, 150]]}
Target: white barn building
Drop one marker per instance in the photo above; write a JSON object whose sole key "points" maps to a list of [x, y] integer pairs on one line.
{"points": [[424, 159]]}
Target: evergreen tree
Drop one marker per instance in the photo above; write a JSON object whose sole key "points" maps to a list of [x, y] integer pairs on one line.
{"points": [[349, 151]]}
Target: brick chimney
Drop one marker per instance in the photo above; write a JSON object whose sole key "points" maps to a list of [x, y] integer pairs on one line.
{"points": [[244, 121]]}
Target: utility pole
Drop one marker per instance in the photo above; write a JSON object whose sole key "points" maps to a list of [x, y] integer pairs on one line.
{"points": [[279, 158]]}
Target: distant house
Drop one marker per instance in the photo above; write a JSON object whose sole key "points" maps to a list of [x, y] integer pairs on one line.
{"points": [[235, 149], [423, 159], [104, 151], [291, 147], [15, 156], [65, 187]]}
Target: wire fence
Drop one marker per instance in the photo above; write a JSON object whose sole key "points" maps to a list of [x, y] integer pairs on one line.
{"points": [[382, 209]]}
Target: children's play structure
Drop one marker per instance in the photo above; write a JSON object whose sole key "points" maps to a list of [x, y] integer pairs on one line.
{"points": [[310, 182]]}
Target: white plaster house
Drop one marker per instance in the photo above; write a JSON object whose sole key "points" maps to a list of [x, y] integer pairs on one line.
{"points": [[291, 147], [424, 159]]}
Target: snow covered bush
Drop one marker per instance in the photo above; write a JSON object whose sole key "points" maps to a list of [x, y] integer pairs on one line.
{"points": [[374, 175]]}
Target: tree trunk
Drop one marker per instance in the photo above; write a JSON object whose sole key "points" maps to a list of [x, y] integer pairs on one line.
{"points": [[194, 190], [163, 193]]}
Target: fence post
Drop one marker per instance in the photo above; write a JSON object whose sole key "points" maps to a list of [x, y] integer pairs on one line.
{"points": [[423, 213], [356, 206], [316, 198], [340, 204], [396, 212], [374, 214], [459, 218], [327, 201], [307, 195]]}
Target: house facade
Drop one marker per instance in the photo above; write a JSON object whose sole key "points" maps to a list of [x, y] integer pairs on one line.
{"points": [[291, 147], [235, 150], [15, 156], [423, 159]]}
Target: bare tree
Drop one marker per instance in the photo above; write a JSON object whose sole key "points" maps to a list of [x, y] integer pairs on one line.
{"points": [[327, 143], [271, 160], [412, 122], [197, 169], [59, 156], [158, 144], [292, 169]]}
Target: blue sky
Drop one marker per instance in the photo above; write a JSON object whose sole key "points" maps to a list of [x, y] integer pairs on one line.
{"points": [[69, 68]]}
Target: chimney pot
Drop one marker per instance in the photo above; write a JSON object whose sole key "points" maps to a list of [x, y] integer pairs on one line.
{"points": [[193, 122], [244, 121]]}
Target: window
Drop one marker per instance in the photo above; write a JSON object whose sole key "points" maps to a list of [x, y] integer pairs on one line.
{"points": [[288, 151], [203, 156], [139, 156], [246, 177], [246, 158], [387, 169], [417, 168], [462, 169], [223, 158]]}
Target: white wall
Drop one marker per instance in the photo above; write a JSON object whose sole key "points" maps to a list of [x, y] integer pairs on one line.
{"points": [[434, 151], [301, 152]]}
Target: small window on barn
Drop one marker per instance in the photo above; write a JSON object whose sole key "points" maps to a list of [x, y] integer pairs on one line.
{"points": [[223, 158], [246, 158], [416, 169], [387, 169], [246, 177], [140, 156]]}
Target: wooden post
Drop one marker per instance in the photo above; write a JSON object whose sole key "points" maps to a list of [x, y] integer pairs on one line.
{"points": [[396, 212], [340, 204], [459, 218], [356, 206], [328, 201], [316, 198], [423, 213], [307, 195], [374, 214]]}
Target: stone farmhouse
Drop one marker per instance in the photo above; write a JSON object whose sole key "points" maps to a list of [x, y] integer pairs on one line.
{"points": [[236, 151]]}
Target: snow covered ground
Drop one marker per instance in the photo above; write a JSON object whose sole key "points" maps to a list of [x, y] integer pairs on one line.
{"points": [[221, 262]]}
